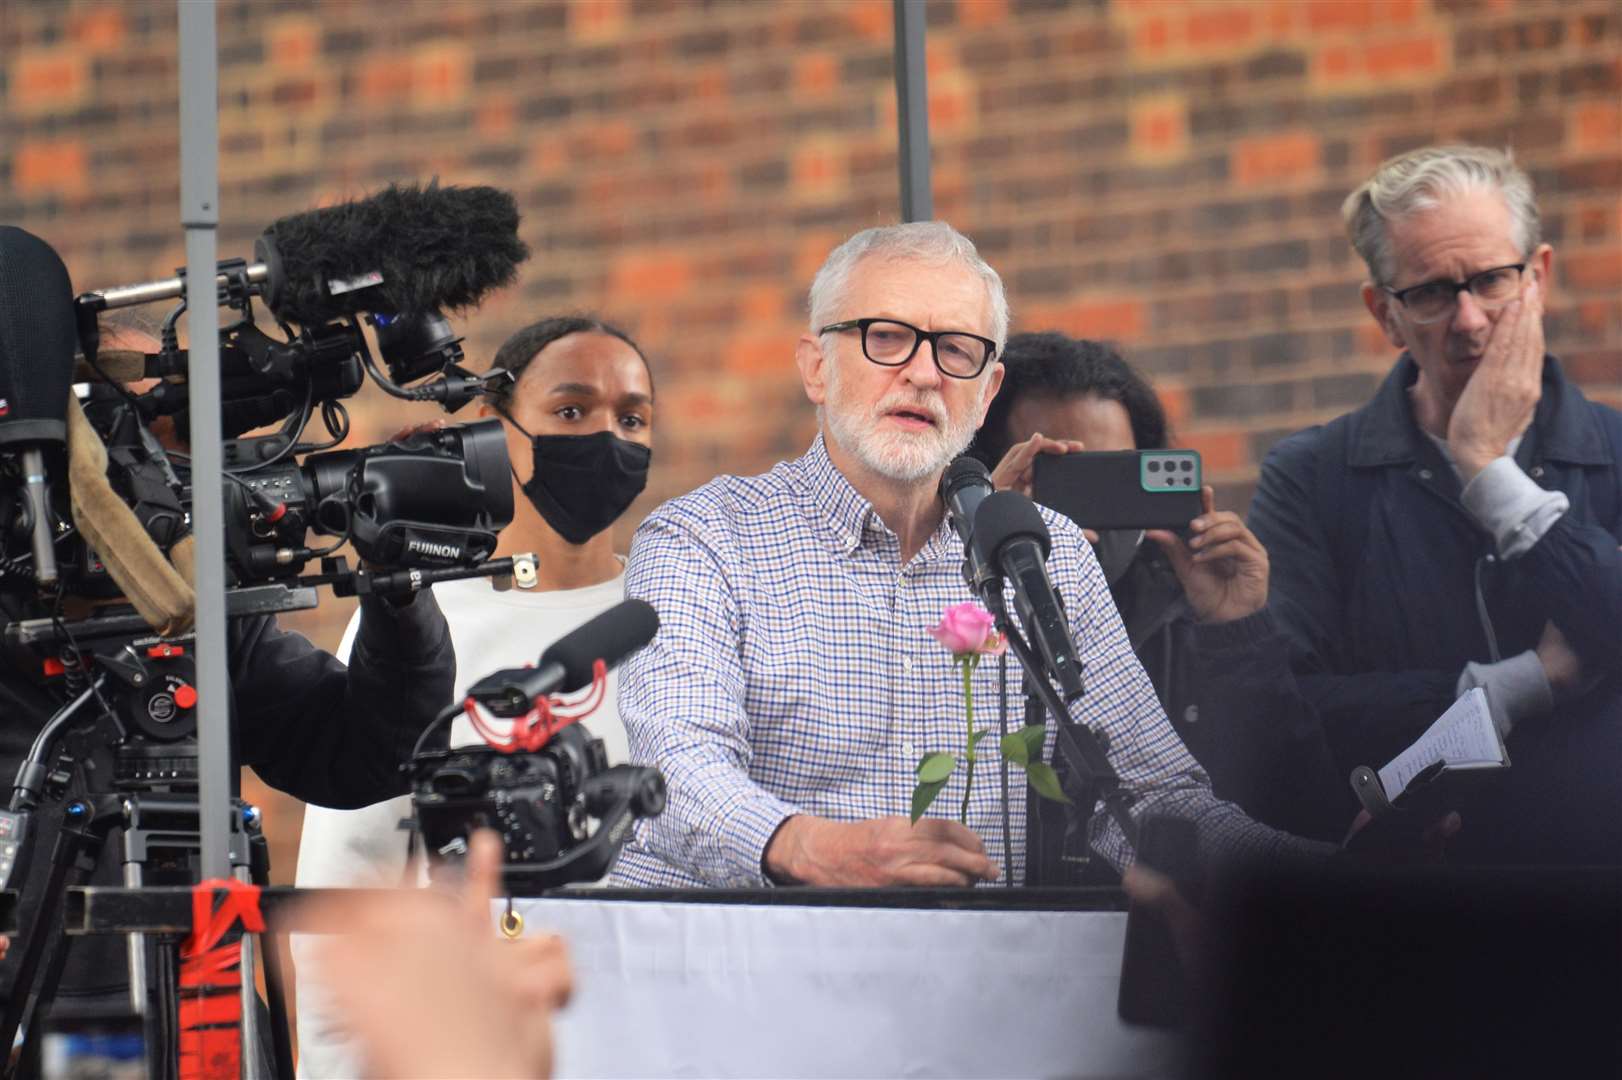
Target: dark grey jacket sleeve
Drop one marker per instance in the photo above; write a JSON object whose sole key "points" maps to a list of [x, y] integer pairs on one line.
{"points": [[332, 735], [1367, 715]]}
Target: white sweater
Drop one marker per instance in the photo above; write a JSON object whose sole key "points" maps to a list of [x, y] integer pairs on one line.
{"points": [[366, 848]]}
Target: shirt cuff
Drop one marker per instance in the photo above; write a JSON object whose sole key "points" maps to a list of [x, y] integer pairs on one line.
{"points": [[1510, 505], [1517, 689], [750, 828]]}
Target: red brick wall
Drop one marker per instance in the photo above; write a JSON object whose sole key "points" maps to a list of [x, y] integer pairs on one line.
{"points": [[1163, 172]]}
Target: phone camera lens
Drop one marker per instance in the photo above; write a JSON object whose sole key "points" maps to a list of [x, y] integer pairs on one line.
{"points": [[1154, 466], [1188, 466]]}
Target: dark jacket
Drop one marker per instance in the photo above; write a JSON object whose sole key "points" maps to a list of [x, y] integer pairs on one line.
{"points": [[1229, 692], [1390, 587], [307, 725]]}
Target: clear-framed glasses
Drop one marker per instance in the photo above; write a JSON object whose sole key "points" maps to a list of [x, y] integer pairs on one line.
{"points": [[1435, 300], [892, 343]]}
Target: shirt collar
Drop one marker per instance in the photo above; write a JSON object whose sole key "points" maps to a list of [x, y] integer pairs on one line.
{"points": [[838, 503], [849, 516]]}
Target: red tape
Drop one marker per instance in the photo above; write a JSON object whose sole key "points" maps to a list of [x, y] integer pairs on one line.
{"points": [[211, 980]]}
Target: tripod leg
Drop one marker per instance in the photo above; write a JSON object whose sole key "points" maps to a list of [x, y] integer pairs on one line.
{"points": [[275, 984], [78, 846]]}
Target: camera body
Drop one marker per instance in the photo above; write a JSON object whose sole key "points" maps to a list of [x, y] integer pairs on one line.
{"points": [[542, 804], [428, 499]]}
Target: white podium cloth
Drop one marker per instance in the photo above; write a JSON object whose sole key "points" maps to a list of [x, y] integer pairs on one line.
{"points": [[735, 990]]}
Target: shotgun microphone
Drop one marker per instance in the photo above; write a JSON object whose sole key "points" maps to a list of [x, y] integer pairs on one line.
{"points": [[405, 250], [567, 664]]}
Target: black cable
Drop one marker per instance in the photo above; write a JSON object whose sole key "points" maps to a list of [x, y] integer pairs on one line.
{"points": [[1002, 723]]}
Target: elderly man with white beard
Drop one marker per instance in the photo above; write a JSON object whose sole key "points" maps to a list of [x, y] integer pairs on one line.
{"points": [[794, 685]]}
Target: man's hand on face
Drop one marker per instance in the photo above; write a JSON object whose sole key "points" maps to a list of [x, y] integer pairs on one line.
{"points": [[885, 851], [1498, 402], [1222, 567], [1017, 467]]}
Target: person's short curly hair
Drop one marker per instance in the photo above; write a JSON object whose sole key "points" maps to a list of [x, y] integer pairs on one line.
{"points": [[1055, 365]]}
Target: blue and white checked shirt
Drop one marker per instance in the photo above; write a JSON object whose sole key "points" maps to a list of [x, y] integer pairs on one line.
{"points": [[794, 673]]}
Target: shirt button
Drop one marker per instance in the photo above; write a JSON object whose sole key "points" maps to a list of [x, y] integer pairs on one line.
{"points": [[1191, 715], [1537, 470], [906, 664], [1424, 474], [908, 751]]}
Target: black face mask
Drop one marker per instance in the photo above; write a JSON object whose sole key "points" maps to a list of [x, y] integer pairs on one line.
{"points": [[582, 483]]}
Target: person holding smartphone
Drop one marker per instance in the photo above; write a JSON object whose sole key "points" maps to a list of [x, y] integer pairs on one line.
{"points": [[1194, 605]]}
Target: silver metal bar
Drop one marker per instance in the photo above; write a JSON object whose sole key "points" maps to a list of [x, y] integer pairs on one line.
{"points": [[253, 1034], [137, 948], [912, 111], [39, 509], [199, 215], [148, 292]]}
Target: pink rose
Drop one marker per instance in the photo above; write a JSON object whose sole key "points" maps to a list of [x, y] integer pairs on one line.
{"points": [[966, 629]]}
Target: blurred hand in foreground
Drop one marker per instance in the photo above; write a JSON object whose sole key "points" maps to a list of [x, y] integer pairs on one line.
{"points": [[430, 989]]}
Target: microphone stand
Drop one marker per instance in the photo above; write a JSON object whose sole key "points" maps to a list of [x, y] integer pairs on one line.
{"points": [[1080, 746]]}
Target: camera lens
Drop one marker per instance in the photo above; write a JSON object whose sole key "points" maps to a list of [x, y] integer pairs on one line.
{"points": [[1188, 466], [1154, 466]]}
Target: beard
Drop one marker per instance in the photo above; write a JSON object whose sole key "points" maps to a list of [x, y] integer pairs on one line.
{"points": [[904, 456]]}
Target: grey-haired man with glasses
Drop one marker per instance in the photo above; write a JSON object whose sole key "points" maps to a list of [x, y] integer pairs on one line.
{"points": [[794, 684], [1462, 528]]}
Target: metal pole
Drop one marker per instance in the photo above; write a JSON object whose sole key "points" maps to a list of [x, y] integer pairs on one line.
{"points": [[912, 111], [200, 215]]}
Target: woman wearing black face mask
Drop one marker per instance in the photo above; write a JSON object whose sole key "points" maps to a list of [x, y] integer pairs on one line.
{"points": [[579, 422], [1195, 612]]}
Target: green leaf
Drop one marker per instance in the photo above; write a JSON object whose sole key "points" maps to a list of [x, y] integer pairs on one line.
{"points": [[922, 796], [978, 735], [1014, 749], [935, 768], [1045, 781], [1022, 746]]}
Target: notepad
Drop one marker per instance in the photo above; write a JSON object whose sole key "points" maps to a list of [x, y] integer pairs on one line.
{"points": [[1463, 738]]}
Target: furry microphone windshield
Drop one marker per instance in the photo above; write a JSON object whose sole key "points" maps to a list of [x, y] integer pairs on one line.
{"points": [[404, 250]]}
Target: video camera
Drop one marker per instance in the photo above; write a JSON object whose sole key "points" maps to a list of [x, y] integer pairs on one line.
{"points": [[95, 503], [541, 780]]}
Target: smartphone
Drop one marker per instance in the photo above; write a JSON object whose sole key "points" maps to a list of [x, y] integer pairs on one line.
{"points": [[1121, 489]]}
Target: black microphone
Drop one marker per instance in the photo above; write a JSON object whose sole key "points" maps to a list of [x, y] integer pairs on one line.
{"points": [[38, 339], [964, 486], [1011, 537], [566, 665], [406, 250]]}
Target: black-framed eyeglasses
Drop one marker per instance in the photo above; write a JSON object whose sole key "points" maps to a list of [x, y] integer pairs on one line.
{"points": [[892, 343], [1435, 300]]}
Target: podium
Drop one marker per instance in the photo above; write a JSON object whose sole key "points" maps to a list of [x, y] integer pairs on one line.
{"points": [[988, 982]]}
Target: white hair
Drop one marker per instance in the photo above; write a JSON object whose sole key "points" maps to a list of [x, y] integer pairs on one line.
{"points": [[934, 241], [1421, 180]]}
